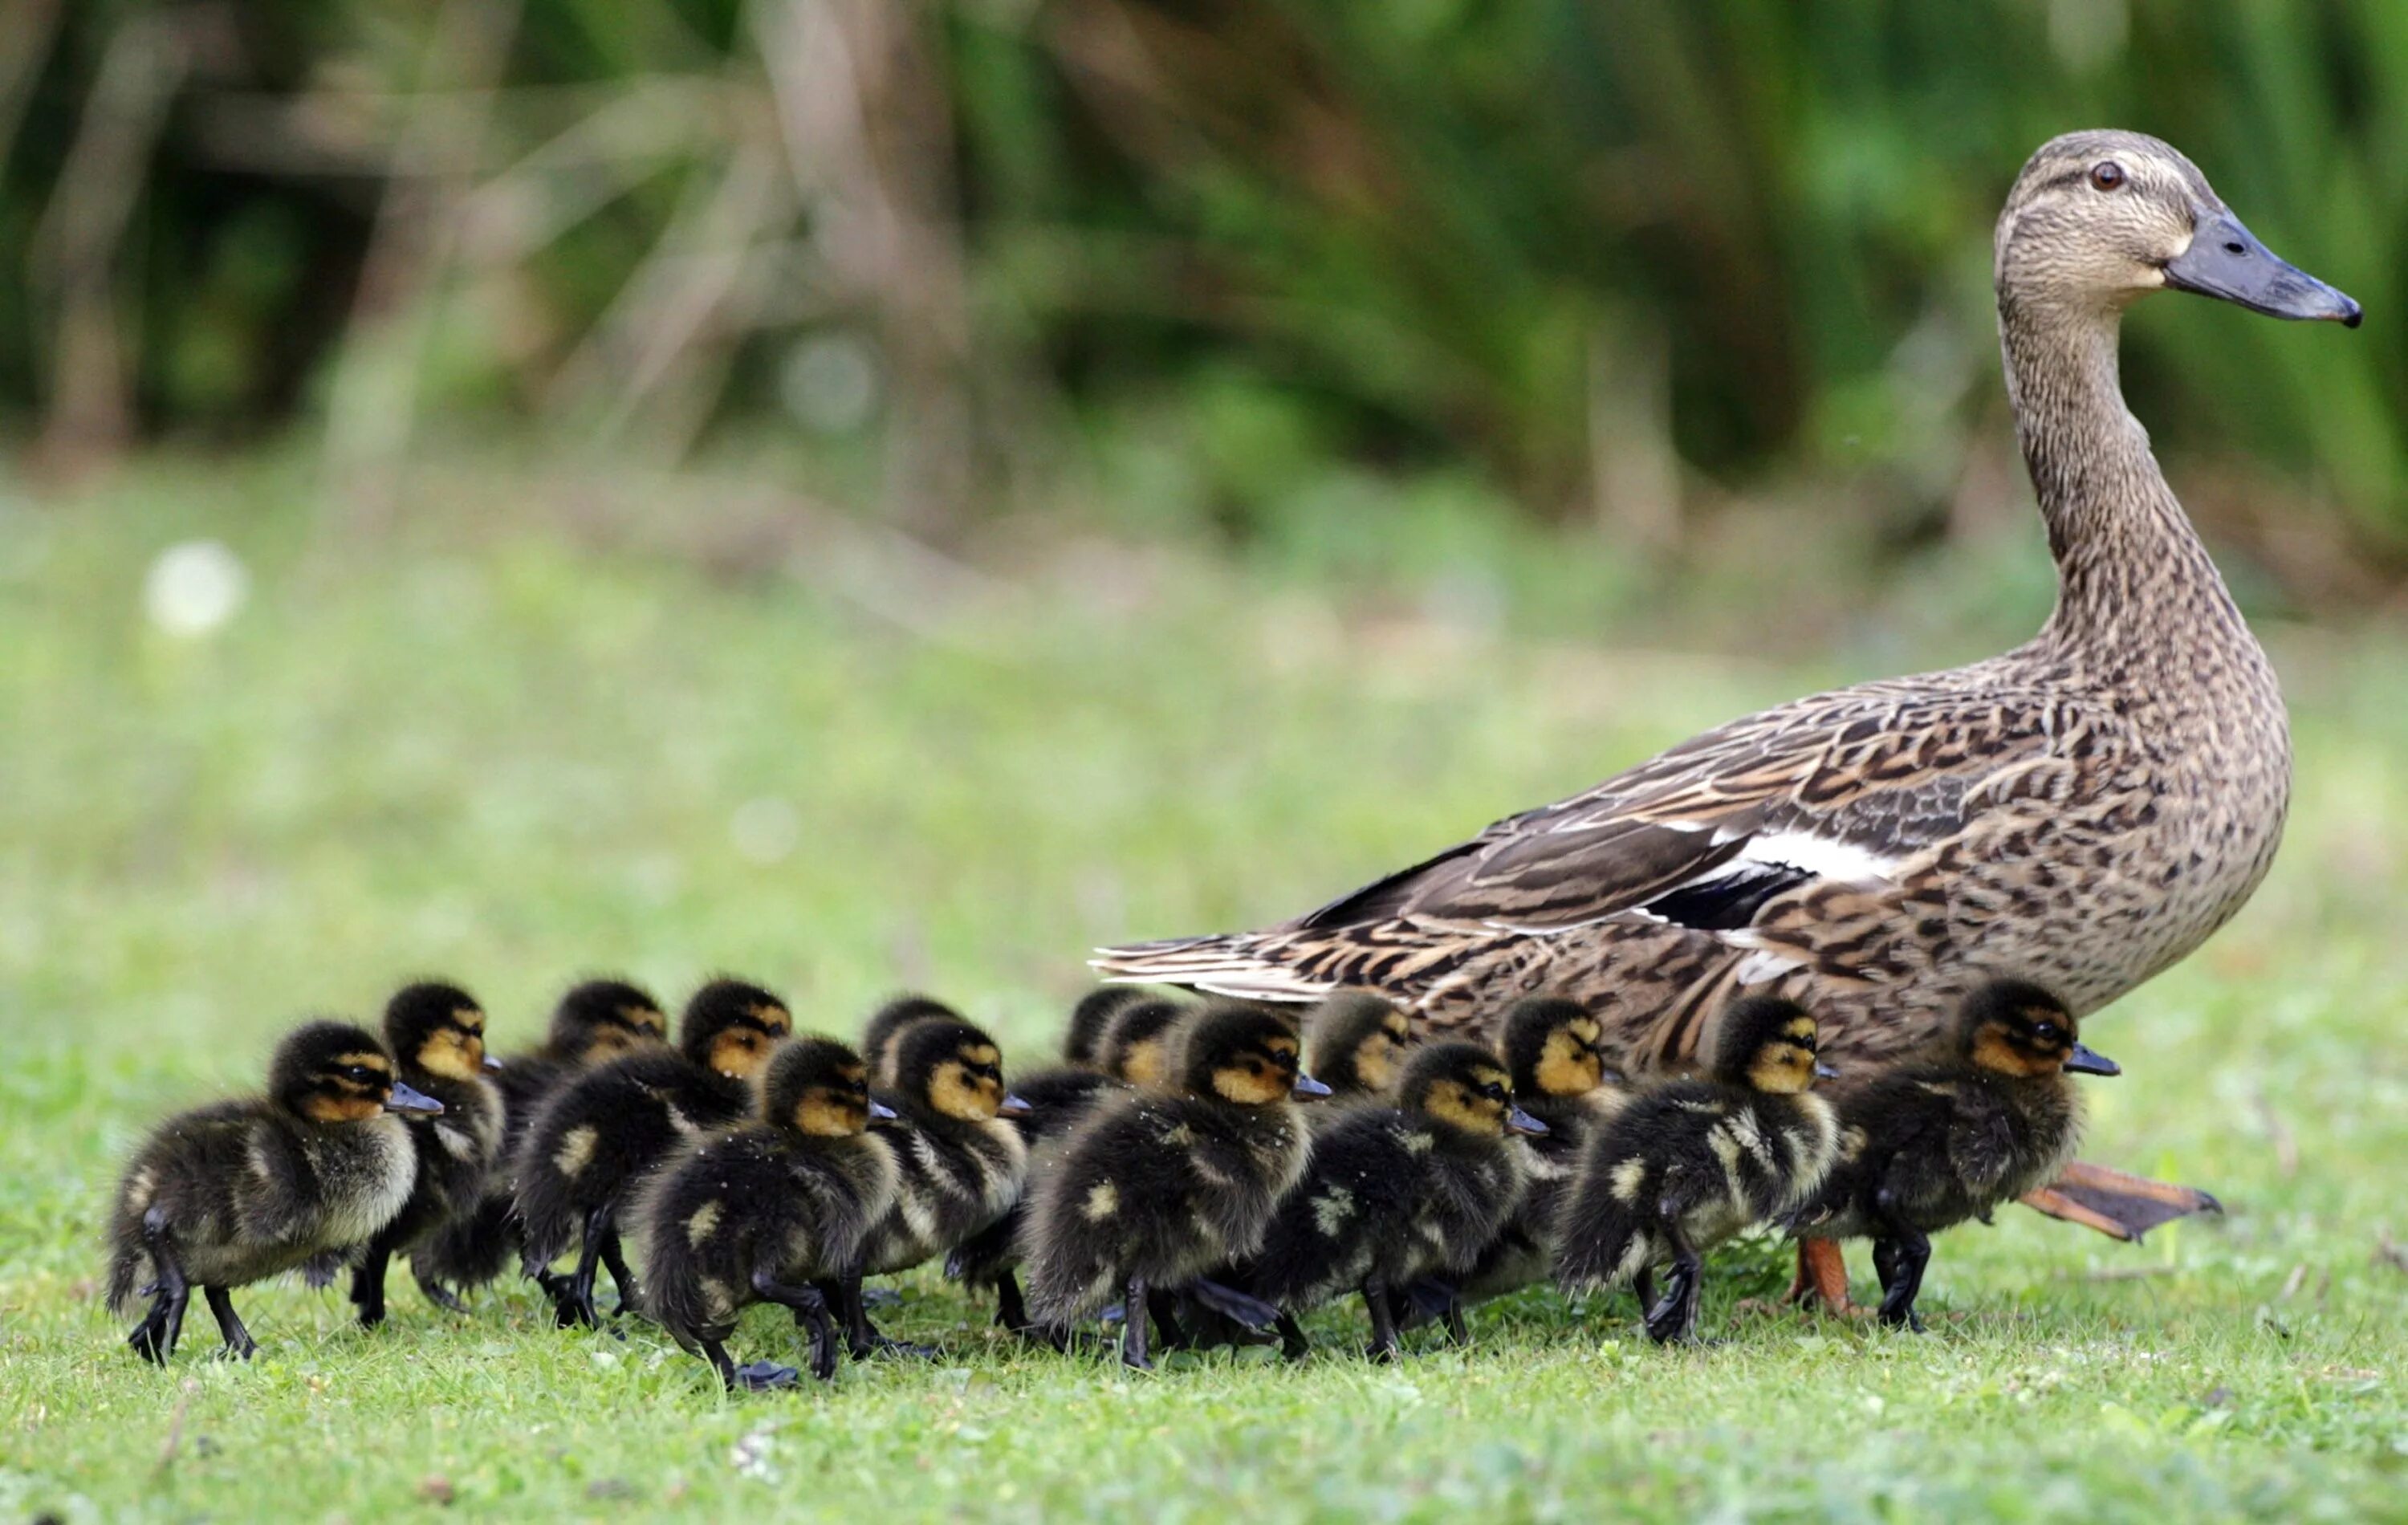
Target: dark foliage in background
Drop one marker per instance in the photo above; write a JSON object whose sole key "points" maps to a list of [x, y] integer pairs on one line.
{"points": [[1609, 258]]}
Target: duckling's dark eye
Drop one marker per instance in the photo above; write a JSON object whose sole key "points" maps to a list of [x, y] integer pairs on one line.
{"points": [[2106, 174], [2048, 1032], [360, 1074]]}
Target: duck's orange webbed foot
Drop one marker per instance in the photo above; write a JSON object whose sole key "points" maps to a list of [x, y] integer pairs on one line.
{"points": [[1821, 1284], [2115, 1202]]}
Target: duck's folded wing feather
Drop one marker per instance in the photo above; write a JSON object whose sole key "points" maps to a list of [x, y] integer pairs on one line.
{"points": [[1839, 787]]}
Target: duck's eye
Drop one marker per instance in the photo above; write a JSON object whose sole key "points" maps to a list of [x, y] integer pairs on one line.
{"points": [[2106, 174], [2048, 1032]]}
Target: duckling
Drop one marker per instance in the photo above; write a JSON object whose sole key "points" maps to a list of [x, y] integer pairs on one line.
{"points": [[1688, 1165], [596, 1021], [1395, 1193], [239, 1191], [1137, 1032], [887, 1023], [1926, 1146], [959, 1162], [1353, 1042], [1162, 1185], [599, 1134], [763, 1211], [1091, 1018], [1555, 1051], [435, 1032]]}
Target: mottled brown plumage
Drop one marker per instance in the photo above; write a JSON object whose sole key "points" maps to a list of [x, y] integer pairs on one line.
{"points": [[2082, 810]]}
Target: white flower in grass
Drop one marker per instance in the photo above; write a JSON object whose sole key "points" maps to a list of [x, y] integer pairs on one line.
{"points": [[192, 589]]}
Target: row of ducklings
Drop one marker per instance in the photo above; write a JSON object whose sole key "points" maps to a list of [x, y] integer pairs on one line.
{"points": [[1163, 1162]]}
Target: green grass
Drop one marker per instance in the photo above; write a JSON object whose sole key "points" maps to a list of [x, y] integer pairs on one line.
{"points": [[490, 752]]}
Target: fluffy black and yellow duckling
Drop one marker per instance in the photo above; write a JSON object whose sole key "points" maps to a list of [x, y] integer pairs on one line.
{"points": [[959, 1161], [887, 1025], [598, 1020], [435, 1032], [1355, 1042], [1396, 1193], [1082, 1037], [1926, 1146], [1685, 1166], [762, 1212], [599, 1135], [234, 1193], [1555, 1051], [1160, 1187], [1137, 1032]]}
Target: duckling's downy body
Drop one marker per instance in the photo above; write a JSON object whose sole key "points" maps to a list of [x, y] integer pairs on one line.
{"points": [[887, 1025], [959, 1161], [760, 1212], [237, 1193], [597, 1136], [598, 1020], [1160, 1187], [1555, 1051], [1395, 1193], [435, 1032], [1926, 1145], [1688, 1165]]}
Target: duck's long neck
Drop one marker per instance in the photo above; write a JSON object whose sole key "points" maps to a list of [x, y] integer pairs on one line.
{"points": [[2132, 571]]}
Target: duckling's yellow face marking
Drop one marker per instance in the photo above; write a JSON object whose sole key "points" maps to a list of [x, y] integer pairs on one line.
{"points": [[630, 1028], [2027, 1042], [1475, 1102], [1258, 1073], [1375, 1060], [968, 1082], [835, 1108], [743, 1051], [455, 1050], [349, 1088], [1569, 1061], [1142, 1063], [1785, 1064]]}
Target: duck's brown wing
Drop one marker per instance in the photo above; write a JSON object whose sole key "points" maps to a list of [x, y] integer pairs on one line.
{"points": [[1839, 788]]}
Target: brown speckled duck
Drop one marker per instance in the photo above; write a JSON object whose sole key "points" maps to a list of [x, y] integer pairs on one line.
{"points": [[2082, 810]]}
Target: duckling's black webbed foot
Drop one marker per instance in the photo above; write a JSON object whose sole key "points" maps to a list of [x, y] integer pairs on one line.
{"points": [[436, 1292], [764, 1377], [1011, 1308], [1899, 1257], [154, 1338], [367, 1284], [1293, 1345], [1674, 1320], [238, 1343], [1229, 1303], [1163, 1309], [614, 1259], [1383, 1321], [1133, 1329]]}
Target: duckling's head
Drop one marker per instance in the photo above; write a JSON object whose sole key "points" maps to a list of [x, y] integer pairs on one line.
{"points": [[2018, 1028], [1139, 1042], [1093, 1017], [887, 1023], [437, 1029], [1553, 1047], [2098, 220], [818, 1086], [1249, 1054], [335, 1072], [1356, 1041], [733, 1028], [1768, 1044], [953, 1068], [601, 1019], [1466, 1087]]}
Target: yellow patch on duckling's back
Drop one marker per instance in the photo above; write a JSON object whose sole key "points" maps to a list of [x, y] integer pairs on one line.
{"points": [[702, 1225], [1103, 1201], [576, 1149]]}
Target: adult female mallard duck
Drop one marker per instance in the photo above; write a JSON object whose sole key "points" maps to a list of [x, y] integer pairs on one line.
{"points": [[2082, 810]]}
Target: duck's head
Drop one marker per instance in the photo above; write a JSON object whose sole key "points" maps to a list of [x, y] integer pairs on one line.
{"points": [[335, 1072], [1137, 1043], [601, 1019], [1093, 1017], [818, 1086], [437, 1029], [887, 1025], [1357, 1040], [733, 1028], [1249, 1054], [2098, 220], [1554, 1047], [954, 1070], [1466, 1087], [1768, 1044], [2018, 1028]]}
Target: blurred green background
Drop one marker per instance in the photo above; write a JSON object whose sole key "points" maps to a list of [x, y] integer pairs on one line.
{"points": [[1245, 269]]}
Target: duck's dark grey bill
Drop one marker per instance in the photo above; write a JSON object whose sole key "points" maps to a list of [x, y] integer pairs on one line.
{"points": [[2086, 1060], [1823, 1072], [408, 1098], [1518, 1121], [881, 1113], [1308, 1089], [1014, 1106], [2226, 260]]}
